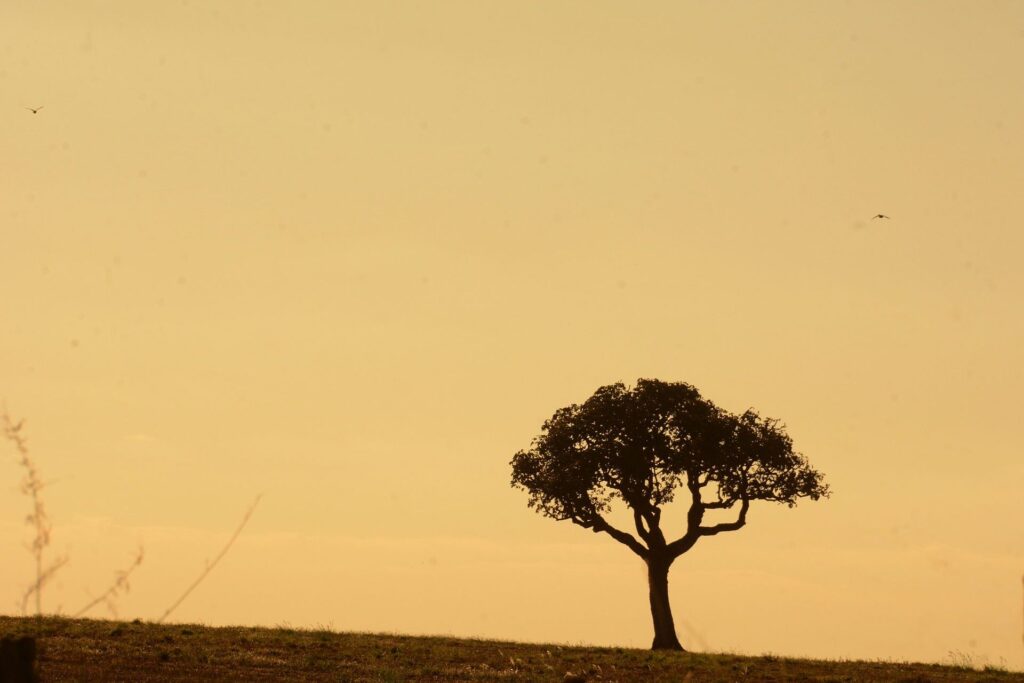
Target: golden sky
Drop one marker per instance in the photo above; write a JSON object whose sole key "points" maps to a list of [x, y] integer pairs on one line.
{"points": [[353, 254]]}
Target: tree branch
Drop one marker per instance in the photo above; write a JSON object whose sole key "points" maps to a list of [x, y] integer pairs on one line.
{"points": [[638, 522], [622, 537], [682, 544], [728, 526], [693, 518], [696, 512]]}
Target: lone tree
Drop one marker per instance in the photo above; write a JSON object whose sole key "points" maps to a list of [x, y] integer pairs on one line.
{"points": [[640, 445]]}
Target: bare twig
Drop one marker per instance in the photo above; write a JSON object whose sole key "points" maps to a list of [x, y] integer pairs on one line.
{"points": [[120, 585], [32, 486], [41, 580], [211, 565]]}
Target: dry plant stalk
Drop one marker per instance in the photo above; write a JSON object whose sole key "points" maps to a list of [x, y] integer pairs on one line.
{"points": [[36, 588], [211, 565], [119, 586], [32, 486]]}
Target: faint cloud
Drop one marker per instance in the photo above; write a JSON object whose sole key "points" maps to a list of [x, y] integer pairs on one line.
{"points": [[140, 438], [939, 562]]}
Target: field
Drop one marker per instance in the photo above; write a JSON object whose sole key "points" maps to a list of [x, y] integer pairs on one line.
{"points": [[111, 651]]}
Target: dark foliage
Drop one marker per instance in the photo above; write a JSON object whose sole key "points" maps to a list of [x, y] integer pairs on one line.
{"points": [[641, 445]]}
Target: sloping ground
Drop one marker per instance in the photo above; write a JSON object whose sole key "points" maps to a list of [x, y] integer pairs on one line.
{"points": [[110, 651]]}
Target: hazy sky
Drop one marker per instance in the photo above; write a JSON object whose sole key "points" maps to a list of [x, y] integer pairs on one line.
{"points": [[353, 254]]}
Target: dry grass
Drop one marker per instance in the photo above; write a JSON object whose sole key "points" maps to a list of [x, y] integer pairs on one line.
{"points": [[32, 486], [109, 651], [117, 588]]}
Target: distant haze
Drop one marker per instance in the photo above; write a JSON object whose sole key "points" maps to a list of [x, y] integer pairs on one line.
{"points": [[352, 255]]}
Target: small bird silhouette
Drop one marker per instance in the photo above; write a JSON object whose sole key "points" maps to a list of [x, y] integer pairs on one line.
{"points": [[879, 215], [34, 110]]}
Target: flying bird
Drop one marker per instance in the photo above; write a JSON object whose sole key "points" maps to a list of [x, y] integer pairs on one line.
{"points": [[879, 215], [34, 110]]}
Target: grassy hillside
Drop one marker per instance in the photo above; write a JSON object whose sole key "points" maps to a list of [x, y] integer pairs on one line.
{"points": [[110, 651]]}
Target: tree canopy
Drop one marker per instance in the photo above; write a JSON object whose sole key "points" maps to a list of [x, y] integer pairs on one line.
{"points": [[642, 445]]}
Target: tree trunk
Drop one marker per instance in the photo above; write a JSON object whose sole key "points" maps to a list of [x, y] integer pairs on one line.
{"points": [[664, 628]]}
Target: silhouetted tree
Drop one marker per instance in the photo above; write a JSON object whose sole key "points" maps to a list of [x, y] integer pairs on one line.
{"points": [[639, 445]]}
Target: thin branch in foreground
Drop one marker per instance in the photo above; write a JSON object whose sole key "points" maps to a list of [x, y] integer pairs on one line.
{"points": [[211, 565], [120, 585], [41, 580], [32, 486]]}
